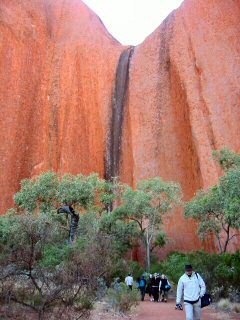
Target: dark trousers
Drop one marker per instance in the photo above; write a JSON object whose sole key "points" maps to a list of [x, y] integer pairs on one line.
{"points": [[155, 293], [164, 294], [130, 287], [143, 291]]}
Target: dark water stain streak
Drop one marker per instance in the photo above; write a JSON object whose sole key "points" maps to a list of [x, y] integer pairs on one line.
{"points": [[113, 150]]}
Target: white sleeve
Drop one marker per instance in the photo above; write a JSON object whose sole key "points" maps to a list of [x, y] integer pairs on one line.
{"points": [[202, 285], [160, 285], [179, 291]]}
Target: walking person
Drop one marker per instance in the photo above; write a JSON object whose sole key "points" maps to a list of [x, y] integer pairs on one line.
{"points": [[129, 281], [164, 287], [149, 287], [137, 282], [155, 287], [192, 286], [142, 287]]}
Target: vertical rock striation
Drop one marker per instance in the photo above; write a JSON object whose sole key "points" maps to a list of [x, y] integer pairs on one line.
{"points": [[184, 102], [57, 73], [113, 147], [73, 99]]}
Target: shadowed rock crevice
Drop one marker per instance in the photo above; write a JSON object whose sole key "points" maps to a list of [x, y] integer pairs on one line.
{"points": [[113, 149]]}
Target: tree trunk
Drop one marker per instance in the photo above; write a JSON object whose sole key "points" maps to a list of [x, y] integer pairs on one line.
{"points": [[227, 239], [148, 257], [148, 262], [219, 244], [41, 313]]}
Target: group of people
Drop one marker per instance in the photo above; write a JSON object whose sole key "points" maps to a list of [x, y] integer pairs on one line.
{"points": [[156, 286], [190, 285]]}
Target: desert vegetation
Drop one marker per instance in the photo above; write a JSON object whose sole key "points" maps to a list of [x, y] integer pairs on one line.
{"points": [[44, 276]]}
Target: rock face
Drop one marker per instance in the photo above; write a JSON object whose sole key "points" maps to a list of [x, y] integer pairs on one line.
{"points": [[184, 101], [57, 75], [72, 99]]}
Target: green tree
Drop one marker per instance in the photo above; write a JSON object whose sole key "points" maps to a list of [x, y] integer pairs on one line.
{"points": [[227, 159], [145, 206], [48, 191], [41, 273], [217, 209]]}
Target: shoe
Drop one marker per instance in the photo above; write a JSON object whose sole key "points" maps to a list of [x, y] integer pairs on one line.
{"points": [[165, 300]]}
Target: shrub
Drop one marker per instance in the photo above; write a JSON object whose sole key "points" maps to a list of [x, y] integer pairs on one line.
{"points": [[221, 273], [121, 298], [40, 274], [226, 304]]}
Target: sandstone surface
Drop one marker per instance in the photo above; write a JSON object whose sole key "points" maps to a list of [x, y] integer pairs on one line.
{"points": [[57, 74], [73, 99]]}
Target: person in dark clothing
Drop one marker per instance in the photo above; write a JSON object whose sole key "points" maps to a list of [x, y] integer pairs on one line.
{"points": [[149, 287], [155, 287], [142, 287], [137, 282], [164, 287]]}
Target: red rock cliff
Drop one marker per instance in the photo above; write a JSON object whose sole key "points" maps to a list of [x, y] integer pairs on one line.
{"points": [[73, 99], [57, 74], [184, 101]]}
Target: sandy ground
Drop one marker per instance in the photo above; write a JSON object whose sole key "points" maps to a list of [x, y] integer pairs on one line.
{"points": [[166, 311], [159, 311]]}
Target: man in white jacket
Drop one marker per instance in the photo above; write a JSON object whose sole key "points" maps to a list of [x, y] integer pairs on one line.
{"points": [[192, 286]]}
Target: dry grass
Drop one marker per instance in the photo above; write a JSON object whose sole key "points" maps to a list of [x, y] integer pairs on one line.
{"points": [[226, 304], [103, 312], [236, 307]]}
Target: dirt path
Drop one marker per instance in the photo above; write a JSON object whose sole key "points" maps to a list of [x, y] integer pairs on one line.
{"points": [[165, 311]]}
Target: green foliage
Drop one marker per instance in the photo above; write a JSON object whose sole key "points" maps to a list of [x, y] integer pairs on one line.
{"points": [[149, 201], [27, 198], [53, 255], [155, 267], [160, 240], [227, 159], [135, 268], [121, 298], [123, 234], [229, 191], [206, 207], [218, 209], [220, 272], [41, 272], [145, 207], [49, 190]]}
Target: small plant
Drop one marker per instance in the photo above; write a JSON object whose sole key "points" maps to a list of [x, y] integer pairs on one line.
{"points": [[226, 304], [121, 298]]}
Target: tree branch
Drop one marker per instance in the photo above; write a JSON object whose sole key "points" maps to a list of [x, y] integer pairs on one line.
{"points": [[24, 303], [235, 235]]}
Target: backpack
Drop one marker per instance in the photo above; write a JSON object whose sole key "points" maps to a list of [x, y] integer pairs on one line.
{"points": [[206, 299], [142, 283], [167, 287]]}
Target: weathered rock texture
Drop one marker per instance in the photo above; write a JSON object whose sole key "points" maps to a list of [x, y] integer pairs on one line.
{"points": [[74, 100], [57, 76], [184, 101]]}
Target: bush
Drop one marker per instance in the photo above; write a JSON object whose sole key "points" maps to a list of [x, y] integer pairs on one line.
{"points": [[41, 274], [221, 273], [121, 298], [227, 305]]}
